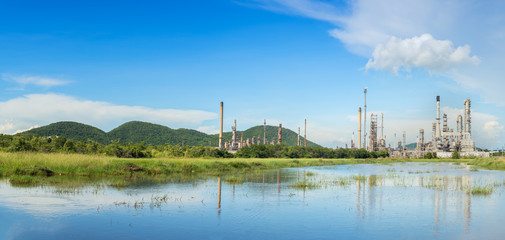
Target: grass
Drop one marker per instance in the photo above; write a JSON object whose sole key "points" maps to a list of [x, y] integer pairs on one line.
{"points": [[481, 190], [23, 163], [23, 180], [21, 167], [233, 180], [305, 185], [489, 163], [473, 169], [358, 178]]}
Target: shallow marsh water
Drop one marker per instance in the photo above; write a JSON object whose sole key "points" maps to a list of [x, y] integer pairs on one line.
{"points": [[402, 200]]}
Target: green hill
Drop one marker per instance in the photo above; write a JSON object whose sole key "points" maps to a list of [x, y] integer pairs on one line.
{"points": [[411, 146], [72, 130], [155, 134]]}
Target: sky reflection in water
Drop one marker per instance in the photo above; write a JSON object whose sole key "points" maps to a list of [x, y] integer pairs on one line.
{"points": [[412, 200]]}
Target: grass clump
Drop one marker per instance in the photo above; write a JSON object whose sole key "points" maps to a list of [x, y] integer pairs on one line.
{"points": [[489, 163], [308, 174], [305, 185], [359, 178], [23, 180], [473, 169], [233, 180], [481, 190]]}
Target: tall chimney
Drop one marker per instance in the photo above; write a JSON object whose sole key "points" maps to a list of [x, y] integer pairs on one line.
{"points": [[305, 134], [364, 125], [404, 140], [438, 134], [234, 135], [420, 145], [264, 131], [460, 124], [359, 129], [221, 128], [382, 127], [467, 116], [445, 128], [280, 133]]}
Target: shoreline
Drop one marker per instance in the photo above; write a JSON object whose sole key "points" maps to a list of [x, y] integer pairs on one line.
{"points": [[77, 170], [40, 164]]}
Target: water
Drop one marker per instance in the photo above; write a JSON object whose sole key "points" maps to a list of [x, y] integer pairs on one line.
{"points": [[412, 200]]}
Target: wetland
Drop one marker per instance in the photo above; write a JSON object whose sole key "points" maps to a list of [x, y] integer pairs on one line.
{"points": [[386, 200]]}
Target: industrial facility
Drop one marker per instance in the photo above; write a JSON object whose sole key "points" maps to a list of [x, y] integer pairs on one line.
{"points": [[444, 140], [234, 144]]}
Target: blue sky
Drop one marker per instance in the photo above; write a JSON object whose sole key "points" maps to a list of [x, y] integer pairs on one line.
{"points": [[171, 62]]}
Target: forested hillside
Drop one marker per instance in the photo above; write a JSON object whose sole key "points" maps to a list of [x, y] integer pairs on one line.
{"points": [[72, 130], [155, 134]]}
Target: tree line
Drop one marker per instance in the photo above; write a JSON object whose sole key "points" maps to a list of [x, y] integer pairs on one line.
{"points": [[54, 144]]}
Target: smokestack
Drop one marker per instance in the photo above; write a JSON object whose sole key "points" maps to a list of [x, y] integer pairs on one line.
{"points": [[460, 124], [364, 125], [352, 141], [467, 116], [382, 126], [305, 134], [438, 134], [359, 129], [221, 128], [264, 131], [420, 145], [404, 141], [234, 136], [280, 133], [445, 128]]}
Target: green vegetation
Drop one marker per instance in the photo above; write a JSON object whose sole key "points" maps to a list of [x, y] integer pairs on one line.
{"points": [[481, 190], [488, 163], [233, 180], [71, 130], [305, 185], [498, 154], [455, 155], [71, 164], [61, 144], [154, 134], [430, 155], [283, 151], [136, 132]]}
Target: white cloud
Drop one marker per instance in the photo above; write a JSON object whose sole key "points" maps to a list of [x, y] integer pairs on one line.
{"points": [[24, 80], [423, 51], [6, 127], [493, 129], [307, 8], [24, 130], [208, 129], [40, 109], [362, 25]]}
